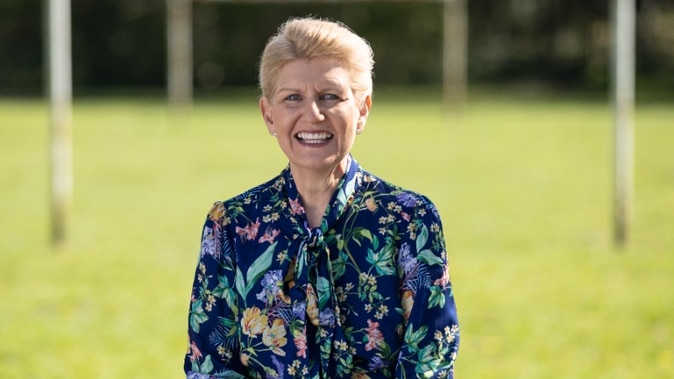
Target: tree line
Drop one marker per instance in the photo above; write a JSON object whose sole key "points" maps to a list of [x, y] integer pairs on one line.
{"points": [[122, 43]]}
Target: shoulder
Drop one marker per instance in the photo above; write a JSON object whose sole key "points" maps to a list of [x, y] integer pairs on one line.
{"points": [[266, 189], [389, 192], [247, 203]]}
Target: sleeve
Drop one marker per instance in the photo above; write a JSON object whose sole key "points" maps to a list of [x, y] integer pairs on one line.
{"points": [[431, 334], [212, 328]]}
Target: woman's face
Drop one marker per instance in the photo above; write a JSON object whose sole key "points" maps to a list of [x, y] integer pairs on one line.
{"points": [[314, 114]]}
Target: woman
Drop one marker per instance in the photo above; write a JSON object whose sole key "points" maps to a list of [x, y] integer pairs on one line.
{"points": [[325, 271]]}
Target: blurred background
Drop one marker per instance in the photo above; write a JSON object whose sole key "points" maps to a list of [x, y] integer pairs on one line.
{"points": [[522, 176], [122, 43]]}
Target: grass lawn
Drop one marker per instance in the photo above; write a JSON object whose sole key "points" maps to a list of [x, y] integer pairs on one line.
{"points": [[524, 186]]}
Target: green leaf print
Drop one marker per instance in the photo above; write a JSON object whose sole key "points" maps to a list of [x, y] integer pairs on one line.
{"points": [[429, 258], [255, 271], [224, 291], [437, 298], [422, 237], [207, 366], [261, 264], [240, 283], [427, 360], [197, 315], [413, 338], [323, 289], [382, 261], [365, 233], [339, 265]]}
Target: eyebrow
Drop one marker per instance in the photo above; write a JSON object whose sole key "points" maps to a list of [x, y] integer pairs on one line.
{"points": [[287, 89], [329, 86], [329, 83]]}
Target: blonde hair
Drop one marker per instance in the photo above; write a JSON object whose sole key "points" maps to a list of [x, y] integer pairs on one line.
{"points": [[307, 38]]}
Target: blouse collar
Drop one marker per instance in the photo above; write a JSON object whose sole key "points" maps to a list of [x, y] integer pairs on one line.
{"points": [[340, 198]]}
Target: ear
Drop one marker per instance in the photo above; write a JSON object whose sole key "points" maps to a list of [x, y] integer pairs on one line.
{"points": [[267, 114], [364, 113]]}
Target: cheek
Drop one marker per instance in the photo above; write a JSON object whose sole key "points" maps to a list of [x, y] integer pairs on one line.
{"points": [[284, 119], [350, 118]]}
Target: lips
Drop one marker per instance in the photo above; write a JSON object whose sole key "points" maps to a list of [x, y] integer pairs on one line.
{"points": [[314, 138]]}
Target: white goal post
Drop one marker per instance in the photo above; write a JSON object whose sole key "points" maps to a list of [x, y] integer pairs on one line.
{"points": [[179, 49]]}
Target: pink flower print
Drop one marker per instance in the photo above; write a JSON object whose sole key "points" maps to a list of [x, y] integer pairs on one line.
{"points": [[295, 207], [196, 353], [300, 340], [374, 335], [269, 235], [249, 232], [443, 282]]}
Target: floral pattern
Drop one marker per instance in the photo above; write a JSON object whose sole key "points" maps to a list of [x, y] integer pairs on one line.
{"points": [[365, 295]]}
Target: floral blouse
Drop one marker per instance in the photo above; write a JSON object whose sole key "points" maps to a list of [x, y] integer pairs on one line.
{"points": [[365, 295]]}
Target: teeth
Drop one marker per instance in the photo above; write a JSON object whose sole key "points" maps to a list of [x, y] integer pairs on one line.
{"points": [[319, 137]]}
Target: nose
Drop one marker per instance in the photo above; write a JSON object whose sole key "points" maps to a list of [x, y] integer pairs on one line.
{"points": [[314, 111]]}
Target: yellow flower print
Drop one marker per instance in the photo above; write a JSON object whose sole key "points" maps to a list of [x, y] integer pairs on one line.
{"points": [[275, 337], [253, 322], [217, 211], [341, 345], [312, 305], [370, 204], [292, 369], [369, 179], [407, 303], [371, 280], [210, 302], [244, 359], [381, 312]]}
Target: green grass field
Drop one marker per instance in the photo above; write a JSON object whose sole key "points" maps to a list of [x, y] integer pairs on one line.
{"points": [[524, 186]]}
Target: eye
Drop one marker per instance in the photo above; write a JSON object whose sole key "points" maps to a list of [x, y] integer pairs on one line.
{"points": [[330, 97], [293, 97]]}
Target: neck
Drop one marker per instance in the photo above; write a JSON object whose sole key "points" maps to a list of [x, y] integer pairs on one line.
{"points": [[316, 189]]}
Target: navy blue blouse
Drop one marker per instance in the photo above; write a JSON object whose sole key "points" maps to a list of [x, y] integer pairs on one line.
{"points": [[365, 295]]}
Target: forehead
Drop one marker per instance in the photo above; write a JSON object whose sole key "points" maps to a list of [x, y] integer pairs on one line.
{"points": [[312, 72]]}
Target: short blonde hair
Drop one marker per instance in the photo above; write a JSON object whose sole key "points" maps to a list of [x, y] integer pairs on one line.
{"points": [[307, 38]]}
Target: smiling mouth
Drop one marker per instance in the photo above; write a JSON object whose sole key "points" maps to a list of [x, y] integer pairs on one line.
{"points": [[314, 138]]}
